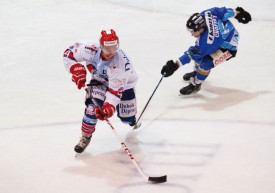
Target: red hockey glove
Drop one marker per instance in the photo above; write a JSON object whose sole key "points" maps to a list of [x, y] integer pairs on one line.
{"points": [[106, 111], [79, 75]]}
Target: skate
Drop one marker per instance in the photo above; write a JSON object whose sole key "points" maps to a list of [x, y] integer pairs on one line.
{"points": [[81, 146], [187, 76], [135, 125], [191, 88]]}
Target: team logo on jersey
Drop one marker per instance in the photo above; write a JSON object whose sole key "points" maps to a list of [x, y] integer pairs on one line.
{"points": [[92, 48], [213, 30]]}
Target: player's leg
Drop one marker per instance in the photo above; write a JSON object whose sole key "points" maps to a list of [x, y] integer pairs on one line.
{"points": [[127, 109], [89, 119], [203, 68], [188, 75]]}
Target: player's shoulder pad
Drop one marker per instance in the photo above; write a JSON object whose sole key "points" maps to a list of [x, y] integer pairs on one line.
{"points": [[91, 47], [123, 56]]}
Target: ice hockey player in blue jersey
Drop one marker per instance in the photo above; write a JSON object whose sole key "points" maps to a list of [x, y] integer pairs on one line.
{"points": [[217, 41]]}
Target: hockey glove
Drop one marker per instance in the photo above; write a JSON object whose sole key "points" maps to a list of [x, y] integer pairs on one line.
{"points": [[78, 75], [106, 111], [243, 16], [169, 68]]}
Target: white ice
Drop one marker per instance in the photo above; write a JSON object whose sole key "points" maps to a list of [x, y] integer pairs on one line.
{"points": [[221, 140]]}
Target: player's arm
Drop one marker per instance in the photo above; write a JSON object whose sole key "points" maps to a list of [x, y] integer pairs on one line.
{"points": [[193, 53], [197, 52], [225, 13], [172, 65], [222, 13], [118, 76]]}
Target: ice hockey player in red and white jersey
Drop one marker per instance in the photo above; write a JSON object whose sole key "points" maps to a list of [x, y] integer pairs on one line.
{"points": [[112, 83]]}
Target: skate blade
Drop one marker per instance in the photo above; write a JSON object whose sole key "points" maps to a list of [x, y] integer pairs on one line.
{"points": [[137, 126], [76, 155], [196, 93]]}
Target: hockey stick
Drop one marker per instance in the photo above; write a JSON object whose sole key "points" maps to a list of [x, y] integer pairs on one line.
{"points": [[160, 179], [137, 125]]}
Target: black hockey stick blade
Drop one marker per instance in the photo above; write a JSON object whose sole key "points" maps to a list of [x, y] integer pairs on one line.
{"points": [[157, 180]]}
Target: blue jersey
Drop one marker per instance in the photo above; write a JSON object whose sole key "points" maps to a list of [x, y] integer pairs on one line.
{"points": [[219, 33]]}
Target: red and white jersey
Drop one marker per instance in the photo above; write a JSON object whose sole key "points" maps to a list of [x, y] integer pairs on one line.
{"points": [[117, 74]]}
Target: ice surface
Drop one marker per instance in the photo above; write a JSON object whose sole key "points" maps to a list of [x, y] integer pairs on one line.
{"points": [[220, 140]]}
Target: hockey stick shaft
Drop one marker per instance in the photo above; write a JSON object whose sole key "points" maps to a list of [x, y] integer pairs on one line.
{"points": [[160, 179], [149, 100], [126, 149]]}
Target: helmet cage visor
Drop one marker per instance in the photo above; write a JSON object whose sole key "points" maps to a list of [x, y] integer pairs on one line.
{"points": [[110, 49]]}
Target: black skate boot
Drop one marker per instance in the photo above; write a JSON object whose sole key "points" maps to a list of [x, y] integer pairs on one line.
{"points": [[133, 123], [191, 88], [81, 146], [187, 76]]}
